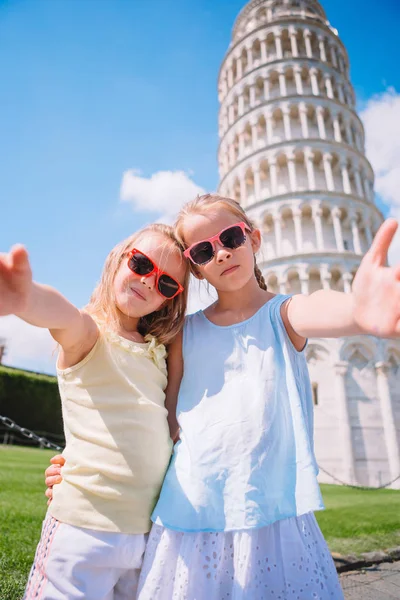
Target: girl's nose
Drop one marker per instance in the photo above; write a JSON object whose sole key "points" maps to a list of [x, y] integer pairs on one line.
{"points": [[149, 281], [221, 253]]}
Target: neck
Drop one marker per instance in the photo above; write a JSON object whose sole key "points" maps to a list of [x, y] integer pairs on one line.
{"points": [[249, 295], [126, 324]]}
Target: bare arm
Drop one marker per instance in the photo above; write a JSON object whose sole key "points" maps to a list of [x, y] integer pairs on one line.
{"points": [[372, 308], [41, 305], [175, 374]]}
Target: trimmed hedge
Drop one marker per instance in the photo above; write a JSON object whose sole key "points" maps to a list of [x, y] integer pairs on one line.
{"points": [[33, 401]]}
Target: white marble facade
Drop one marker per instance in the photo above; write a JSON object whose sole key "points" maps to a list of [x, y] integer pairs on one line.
{"points": [[292, 152]]}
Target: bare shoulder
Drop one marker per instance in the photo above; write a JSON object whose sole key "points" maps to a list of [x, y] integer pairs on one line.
{"points": [[72, 354], [297, 340]]}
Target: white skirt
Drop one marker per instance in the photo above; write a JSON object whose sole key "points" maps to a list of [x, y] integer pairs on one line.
{"points": [[288, 560]]}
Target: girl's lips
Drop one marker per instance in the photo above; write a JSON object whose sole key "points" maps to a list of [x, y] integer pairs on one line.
{"points": [[138, 294], [230, 270]]}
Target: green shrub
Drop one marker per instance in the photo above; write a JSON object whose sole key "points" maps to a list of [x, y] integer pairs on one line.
{"points": [[31, 400]]}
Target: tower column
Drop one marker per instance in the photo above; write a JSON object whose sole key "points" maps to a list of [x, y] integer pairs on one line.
{"points": [[388, 419], [286, 122], [264, 57], [292, 171], [321, 122], [282, 82], [278, 233], [328, 86], [243, 188], [317, 217], [239, 67], [257, 182], [337, 226], [278, 45], [293, 42], [308, 157], [327, 159], [303, 120], [266, 89], [356, 234], [322, 51], [336, 128], [314, 81], [297, 229], [347, 438], [298, 80], [254, 134], [307, 41], [357, 178], [273, 175], [249, 58], [345, 177]]}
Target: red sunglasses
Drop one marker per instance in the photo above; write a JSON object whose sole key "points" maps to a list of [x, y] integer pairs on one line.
{"points": [[142, 265], [231, 237]]}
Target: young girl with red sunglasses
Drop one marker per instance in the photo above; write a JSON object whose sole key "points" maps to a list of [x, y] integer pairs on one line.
{"points": [[235, 516], [112, 375]]}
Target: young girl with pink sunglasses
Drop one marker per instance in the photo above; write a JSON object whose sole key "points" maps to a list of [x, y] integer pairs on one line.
{"points": [[112, 376], [235, 516]]}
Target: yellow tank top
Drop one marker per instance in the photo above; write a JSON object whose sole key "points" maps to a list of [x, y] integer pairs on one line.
{"points": [[117, 439]]}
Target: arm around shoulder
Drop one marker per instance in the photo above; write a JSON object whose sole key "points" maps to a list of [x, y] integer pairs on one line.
{"points": [[175, 374]]}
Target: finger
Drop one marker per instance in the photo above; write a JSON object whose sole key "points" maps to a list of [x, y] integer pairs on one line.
{"points": [[58, 459], [52, 470], [50, 481], [19, 257], [49, 493], [381, 243], [397, 272]]}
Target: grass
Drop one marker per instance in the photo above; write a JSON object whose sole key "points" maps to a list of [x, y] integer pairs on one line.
{"points": [[22, 508], [355, 520], [359, 521]]}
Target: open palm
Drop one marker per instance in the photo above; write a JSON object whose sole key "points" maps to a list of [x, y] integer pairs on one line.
{"points": [[15, 280], [376, 287]]}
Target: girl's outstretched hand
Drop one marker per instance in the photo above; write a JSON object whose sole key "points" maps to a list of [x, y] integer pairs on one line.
{"points": [[376, 287], [15, 280]]}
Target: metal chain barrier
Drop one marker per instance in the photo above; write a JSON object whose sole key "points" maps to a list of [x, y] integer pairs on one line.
{"points": [[31, 435], [42, 441], [359, 487]]}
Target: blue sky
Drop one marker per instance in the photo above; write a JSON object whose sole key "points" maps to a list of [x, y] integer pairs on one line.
{"points": [[91, 88]]}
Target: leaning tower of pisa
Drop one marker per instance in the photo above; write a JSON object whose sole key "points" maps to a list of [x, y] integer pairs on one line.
{"points": [[292, 152]]}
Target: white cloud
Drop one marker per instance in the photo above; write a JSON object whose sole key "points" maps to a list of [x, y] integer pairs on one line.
{"points": [[27, 346], [381, 118], [164, 192]]}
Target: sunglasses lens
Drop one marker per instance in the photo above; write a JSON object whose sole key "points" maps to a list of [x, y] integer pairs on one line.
{"points": [[202, 253], [233, 237], [140, 264], [167, 286]]}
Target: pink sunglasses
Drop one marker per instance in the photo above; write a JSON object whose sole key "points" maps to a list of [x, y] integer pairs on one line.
{"points": [[231, 237]]}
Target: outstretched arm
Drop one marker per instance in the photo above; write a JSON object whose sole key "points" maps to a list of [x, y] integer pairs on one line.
{"points": [[39, 304], [175, 373], [373, 306]]}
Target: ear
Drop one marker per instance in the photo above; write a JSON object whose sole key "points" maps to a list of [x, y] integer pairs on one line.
{"points": [[196, 273], [255, 240]]}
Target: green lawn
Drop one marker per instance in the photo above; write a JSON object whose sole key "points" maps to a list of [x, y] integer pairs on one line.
{"points": [[360, 520], [22, 508], [355, 520]]}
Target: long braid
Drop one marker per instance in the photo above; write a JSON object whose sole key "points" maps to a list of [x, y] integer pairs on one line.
{"points": [[259, 276]]}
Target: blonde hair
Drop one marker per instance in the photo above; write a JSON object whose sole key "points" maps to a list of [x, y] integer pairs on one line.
{"points": [[203, 203], [164, 323]]}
